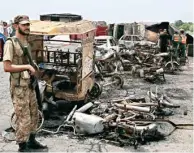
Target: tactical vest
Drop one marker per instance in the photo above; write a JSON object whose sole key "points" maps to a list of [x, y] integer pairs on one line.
{"points": [[184, 39], [176, 38], [19, 78]]}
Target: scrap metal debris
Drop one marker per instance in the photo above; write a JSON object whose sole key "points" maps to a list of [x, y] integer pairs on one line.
{"points": [[144, 61], [120, 121], [123, 121]]}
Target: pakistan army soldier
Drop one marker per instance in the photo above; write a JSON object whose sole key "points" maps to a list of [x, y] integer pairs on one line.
{"points": [[23, 97]]}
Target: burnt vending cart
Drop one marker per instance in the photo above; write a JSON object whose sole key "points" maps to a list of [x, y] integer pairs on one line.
{"points": [[66, 65]]}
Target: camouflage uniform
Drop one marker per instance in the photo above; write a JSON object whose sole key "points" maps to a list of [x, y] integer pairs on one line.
{"points": [[23, 98]]}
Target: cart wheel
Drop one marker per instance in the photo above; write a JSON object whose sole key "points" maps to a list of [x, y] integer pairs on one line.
{"points": [[40, 122], [96, 91], [119, 81]]}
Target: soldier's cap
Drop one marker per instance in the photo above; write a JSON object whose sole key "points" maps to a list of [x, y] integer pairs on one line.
{"points": [[21, 19]]}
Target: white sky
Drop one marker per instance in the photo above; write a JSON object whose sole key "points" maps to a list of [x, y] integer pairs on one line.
{"points": [[103, 10]]}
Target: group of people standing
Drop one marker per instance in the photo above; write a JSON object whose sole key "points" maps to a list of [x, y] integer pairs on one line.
{"points": [[7, 29], [178, 41]]}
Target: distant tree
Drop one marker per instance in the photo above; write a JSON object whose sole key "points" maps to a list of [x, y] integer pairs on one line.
{"points": [[185, 26], [191, 27], [178, 23]]}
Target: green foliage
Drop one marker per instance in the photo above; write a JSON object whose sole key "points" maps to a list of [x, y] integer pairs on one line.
{"points": [[178, 23], [191, 28], [187, 26]]}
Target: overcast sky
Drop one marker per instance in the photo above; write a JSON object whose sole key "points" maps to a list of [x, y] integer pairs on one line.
{"points": [[107, 10]]}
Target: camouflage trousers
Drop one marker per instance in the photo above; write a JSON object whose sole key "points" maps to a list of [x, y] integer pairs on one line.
{"points": [[26, 111]]}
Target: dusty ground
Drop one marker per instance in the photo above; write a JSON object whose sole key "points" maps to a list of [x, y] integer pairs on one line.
{"points": [[179, 88]]}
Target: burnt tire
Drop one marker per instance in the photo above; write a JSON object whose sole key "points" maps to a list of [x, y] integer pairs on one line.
{"points": [[96, 91], [119, 80]]}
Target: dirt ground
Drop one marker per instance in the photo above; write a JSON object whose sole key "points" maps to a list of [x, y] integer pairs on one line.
{"points": [[179, 88]]}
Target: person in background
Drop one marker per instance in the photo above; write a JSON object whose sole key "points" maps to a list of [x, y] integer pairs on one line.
{"points": [[5, 29], [11, 29], [164, 41], [159, 33], [176, 43], [183, 44]]}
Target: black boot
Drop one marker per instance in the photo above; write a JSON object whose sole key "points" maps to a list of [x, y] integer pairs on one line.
{"points": [[33, 144], [23, 147]]}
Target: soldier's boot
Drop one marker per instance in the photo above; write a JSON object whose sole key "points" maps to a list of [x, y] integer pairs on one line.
{"points": [[23, 147], [34, 144]]}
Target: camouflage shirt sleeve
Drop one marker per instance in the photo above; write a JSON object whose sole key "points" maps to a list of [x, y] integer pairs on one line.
{"points": [[8, 51]]}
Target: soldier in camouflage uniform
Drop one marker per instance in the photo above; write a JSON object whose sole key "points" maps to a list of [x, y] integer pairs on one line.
{"points": [[23, 97]]}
